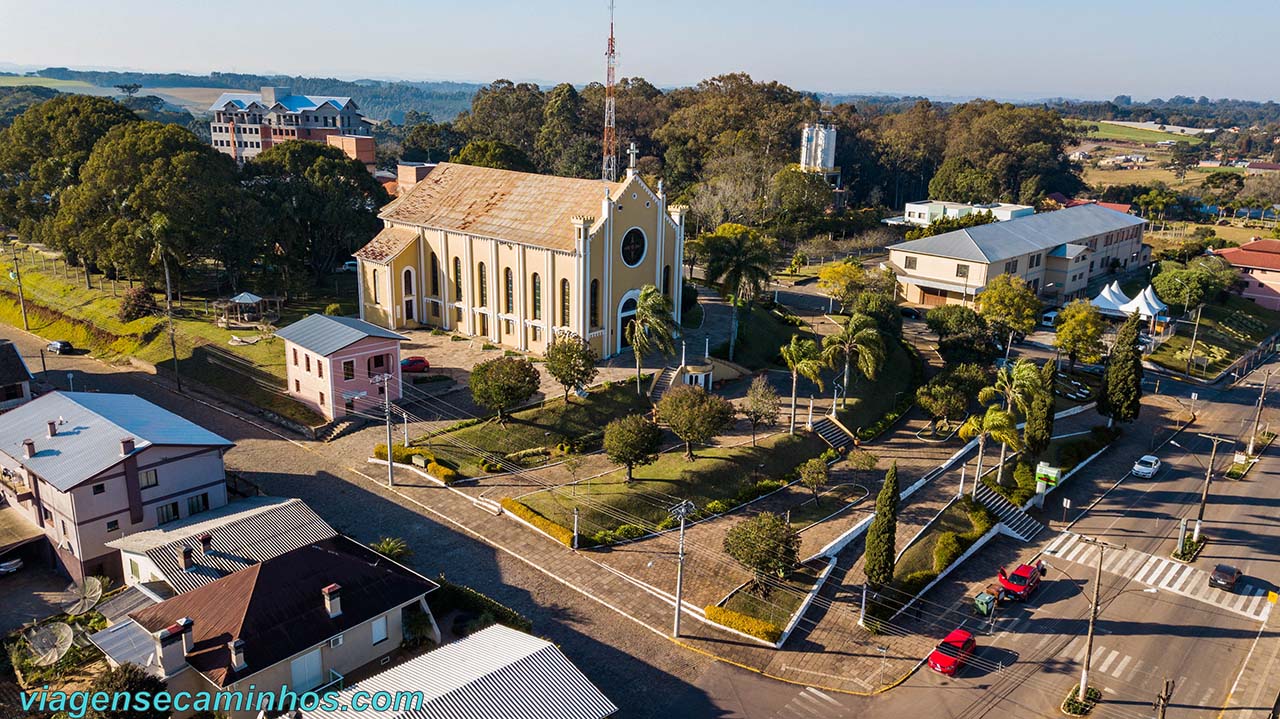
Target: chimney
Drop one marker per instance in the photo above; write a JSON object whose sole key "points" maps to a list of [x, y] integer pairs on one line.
{"points": [[271, 95], [170, 648], [237, 654], [188, 635], [29, 447], [409, 174], [53, 428], [333, 600], [206, 543], [126, 446], [184, 557]]}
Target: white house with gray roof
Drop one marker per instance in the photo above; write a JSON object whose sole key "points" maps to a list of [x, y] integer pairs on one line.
{"points": [[1056, 253], [332, 364], [87, 468]]}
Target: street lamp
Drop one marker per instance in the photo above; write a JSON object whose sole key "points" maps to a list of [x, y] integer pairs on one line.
{"points": [[680, 511]]}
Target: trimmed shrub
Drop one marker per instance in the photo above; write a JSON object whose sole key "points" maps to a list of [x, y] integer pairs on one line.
{"points": [[333, 308], [716, 506], [437, 332], [667, 522], [979, 516], [829, 455], [490, 465], [442, 473], [452, 596], [767, 631], [137, 302], [403, 455], [946, 550], [534, 517], [914, 582], [629, 531]]}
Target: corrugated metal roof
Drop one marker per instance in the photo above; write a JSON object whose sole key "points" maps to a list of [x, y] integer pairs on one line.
{"points": [[1002, 240], [496, 673], [242, 533], [129, 642], [292, 103], [501, 204], [326, 334], [90, 428]]}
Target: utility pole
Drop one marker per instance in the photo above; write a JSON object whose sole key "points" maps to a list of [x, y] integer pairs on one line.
{"points": [[680, 511], [1257, 415], [1162, 699], [385, 381], [1191, 355], [1208, 478], [168, 310], [17, 276], [1093, 613]]}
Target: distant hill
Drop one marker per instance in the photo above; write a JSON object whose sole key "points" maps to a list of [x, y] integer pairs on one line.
{"points": [[380, 100], [15, 100]]}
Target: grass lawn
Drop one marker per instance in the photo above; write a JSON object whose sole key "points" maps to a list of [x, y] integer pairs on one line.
{"points": [[1227, 331], [1088, 379], [778, 606], [15, 81], [715, 473], [919, 556], [833, 499], [869, 400], [762, 333], [544, 426], [1108, 131]]}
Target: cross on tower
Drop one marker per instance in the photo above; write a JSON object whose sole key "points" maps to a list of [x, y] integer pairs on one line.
{"points": [[631, 153]]}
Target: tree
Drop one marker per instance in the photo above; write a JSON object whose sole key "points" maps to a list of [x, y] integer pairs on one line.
{"points": [[137, 302], [738, 258], [391, 548], [1121, 396], [1180, 286], [1184, 158], [803, 358], [502, 383], [431, 142], [996, 424], [814, 474], [1015, 387], [129, 88], [858, 342], [1008, 304], [507, 113], [969, 378], [760, 406], [563, 137], [1079, 334], [765, 544], [800, 199], [632, 441], [128, 678], [842, 281], [571, 361], [1038, 431], [948, 320], [651, 327], [694, 415], [950, 224], [942, 401], [494, 154], [882, 535]]}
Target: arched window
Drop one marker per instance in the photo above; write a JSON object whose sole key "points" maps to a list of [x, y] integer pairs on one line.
{"points": [[457, 279], [510, 285], [484, 286], [564, 303], [375, 287], [409, 290], [435, 275], [537, 296], [666, 280], [626, 318], [595, 304]]}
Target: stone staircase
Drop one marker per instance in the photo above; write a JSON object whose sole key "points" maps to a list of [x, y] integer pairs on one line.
{"points": [[1019, 523], [833, 434], [340, 427], [663, 384]]}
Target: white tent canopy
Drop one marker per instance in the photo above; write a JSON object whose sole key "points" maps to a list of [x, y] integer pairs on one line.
{"points": [[1111, 299], [1146, 304]]}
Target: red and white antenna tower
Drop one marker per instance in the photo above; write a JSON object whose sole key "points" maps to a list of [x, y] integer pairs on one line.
{"points": [[609, 167]]}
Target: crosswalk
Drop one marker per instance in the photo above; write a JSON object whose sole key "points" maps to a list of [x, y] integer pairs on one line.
{"points": [[1137, 672], [1164, 574], [812, 703]]}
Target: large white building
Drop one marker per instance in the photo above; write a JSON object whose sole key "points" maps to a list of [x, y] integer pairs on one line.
{"points": [[924, 212]]}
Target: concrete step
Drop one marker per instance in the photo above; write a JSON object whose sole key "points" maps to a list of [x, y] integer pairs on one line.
{"points": [[1021, 524], [832, 433]]}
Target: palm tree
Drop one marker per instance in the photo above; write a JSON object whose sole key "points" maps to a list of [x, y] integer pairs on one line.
{"points": [[651, 327], [996, 424], [1015, 388], [860, 339], [738, 258], [391, 547], [803, 358]]}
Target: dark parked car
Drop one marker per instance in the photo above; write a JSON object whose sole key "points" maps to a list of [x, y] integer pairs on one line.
{"points": [[60, 347], [912, 313], [414, 364], [1224, 576]]}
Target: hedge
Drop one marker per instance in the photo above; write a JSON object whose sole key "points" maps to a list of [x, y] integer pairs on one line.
{"points": [[442, 473], [767, 631], [532, 516], [946, 550], [621, 534], [402, 454], [452, 596]]}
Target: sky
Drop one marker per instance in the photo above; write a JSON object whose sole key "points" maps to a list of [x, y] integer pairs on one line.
{"points": [[1013, 49]]}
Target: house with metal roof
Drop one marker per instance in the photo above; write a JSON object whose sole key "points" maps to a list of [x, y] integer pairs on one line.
{"points": [[341, 366], [496, 673], [1057, 254], [246, 123], [15, 378], [304, 619], [1259, 264], [87, 468]]}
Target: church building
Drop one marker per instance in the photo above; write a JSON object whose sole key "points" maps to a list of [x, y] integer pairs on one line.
{"points": [[515, 257]]}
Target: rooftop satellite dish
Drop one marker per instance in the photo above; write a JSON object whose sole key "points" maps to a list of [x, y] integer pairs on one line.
{"points": [[49, 643], [83, 597]]}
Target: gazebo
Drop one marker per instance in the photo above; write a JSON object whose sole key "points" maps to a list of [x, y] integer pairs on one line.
{"points": [[1111, 299], [246, 309]]}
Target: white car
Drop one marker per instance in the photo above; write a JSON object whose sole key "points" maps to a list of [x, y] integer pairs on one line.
{"points": [[1146, 466], [348, 266]]}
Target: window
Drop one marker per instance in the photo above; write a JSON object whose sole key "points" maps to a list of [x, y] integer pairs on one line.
{"points": [[348, 370], [908, 263], [148, 479], [133, 568], [633, 246], [537, 333], [595, 304], [295, 349], [380, 630], [435, 276], [198, 503], [113, 525], [457, 279], [564, 303], [379, 361], [307, 362], [375, 294], [962, 271], [509, 283], [484, 285], [408, 282], [166, 513], [666, 280], [322, 399], [319, 369], [1011, 267], [297, 386], [537, 296], [99, 488]]}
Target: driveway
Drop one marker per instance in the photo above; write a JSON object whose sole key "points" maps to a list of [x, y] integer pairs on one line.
{"points": [[31, 593]]}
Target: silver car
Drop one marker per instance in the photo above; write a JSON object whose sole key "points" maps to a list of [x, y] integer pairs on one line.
{"points": [[1146, 466]]}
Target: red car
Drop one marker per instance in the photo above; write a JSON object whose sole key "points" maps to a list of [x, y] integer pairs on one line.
{"points": [[414, 364], [1023, 581], [952, 652]]}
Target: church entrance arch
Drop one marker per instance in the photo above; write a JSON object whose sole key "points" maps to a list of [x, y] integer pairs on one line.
{"points": [[626, 315]]}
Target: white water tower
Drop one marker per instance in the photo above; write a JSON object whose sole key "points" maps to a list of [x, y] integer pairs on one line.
{"points": [[818, 148]]}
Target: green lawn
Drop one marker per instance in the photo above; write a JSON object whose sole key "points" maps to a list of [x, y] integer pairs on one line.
{"points": [[1092, 381], [544, 426], [1108, 131], [832, 500], [762, 333], [15, 81], [778, 606], [715, 473], [1226, 332], [919, 556], [869, 400]]}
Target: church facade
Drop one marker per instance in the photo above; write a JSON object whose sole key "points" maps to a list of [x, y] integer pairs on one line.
{"points": [[514, 257]]}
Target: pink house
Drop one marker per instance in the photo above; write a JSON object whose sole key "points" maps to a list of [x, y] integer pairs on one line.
{"points": [[332, 364], [1259, 265]]}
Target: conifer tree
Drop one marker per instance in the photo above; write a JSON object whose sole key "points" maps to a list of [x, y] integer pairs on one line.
{"points": [[882, 535], [1121, 397]]}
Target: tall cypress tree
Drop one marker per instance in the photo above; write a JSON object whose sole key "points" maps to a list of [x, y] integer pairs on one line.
{"points": [[882, 536], [1121, 397], [1039, 430]]}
